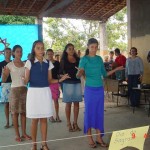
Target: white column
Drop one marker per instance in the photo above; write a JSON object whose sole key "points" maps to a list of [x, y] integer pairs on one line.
{"points": [[103, 39], [39, 22]]}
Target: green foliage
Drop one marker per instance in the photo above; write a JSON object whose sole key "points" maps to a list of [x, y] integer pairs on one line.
{"points": [[7, 19], [63, 31], [117, 31]]}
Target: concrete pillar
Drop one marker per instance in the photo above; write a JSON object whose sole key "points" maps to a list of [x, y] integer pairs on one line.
{"points": [[139, 30], [103, 39], [39, 22]]}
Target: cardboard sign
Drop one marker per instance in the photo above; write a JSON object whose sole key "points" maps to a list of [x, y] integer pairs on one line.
{"points": [[132, 139]]}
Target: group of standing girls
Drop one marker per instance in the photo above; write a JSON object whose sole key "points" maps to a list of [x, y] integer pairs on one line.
{"points": [[43, 75]]}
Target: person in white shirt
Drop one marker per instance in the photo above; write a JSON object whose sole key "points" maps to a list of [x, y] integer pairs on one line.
{"points": [[18, 92]]}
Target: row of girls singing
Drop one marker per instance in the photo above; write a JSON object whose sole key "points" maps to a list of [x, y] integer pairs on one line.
{"points": [[36, 102]]}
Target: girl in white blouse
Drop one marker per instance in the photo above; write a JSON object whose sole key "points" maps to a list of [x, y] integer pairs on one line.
{"points": [[18, 92]]}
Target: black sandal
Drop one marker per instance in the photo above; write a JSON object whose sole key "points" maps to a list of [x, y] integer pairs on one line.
{"points": [[102, 144], [93, 145], [70, 127], [58, 120], [34, 147], [76, 127], [44, 147]]}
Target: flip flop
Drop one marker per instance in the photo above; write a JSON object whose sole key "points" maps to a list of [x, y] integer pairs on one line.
{"points": [[52, 120], [26, 137], [58, 120], [7, 126], [102, 144], [93, 145], [18, 139]]}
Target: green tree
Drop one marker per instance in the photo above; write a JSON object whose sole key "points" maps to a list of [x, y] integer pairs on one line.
{"points": [[8, 19], [117, 30], [63, 31]]}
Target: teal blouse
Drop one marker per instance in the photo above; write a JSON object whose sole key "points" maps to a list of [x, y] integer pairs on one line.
{"points": [[94, 70]]}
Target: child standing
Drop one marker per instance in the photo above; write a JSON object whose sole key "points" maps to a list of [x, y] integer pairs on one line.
{"points": [[54, 86], [91, 65], [5, 94], [39, 99], [18, 92], [72, 92]]}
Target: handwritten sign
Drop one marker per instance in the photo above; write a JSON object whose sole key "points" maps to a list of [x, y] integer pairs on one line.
{"points": [[134, 138]]}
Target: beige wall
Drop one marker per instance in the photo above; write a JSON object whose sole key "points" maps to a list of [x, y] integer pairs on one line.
{"points": [[143, 45]]}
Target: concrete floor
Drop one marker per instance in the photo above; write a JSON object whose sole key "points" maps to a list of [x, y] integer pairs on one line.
{"points": [[116, 118]]}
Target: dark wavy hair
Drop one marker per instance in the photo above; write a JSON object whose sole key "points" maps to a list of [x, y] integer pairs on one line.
{"points": [[64, 56], [49, 50], [90, 41], [14, 49], [134, 49], [117, 50], [32, 50]]}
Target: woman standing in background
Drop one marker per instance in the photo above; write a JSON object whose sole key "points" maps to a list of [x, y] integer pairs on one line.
{"points": [[5, 94], [54, 86], [134, 73]]}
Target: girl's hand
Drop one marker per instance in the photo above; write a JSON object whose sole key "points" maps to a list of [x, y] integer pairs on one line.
{"points": [[64, 77], [23, 78], [120, 68], [1, 52], [80, 72], [4, 70], [141, 78]]}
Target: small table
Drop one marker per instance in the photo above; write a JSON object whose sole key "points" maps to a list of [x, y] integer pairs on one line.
{"points": [[145, 96]]}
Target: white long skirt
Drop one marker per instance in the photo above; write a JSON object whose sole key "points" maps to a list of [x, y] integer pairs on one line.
{"points": [[39, 103]]}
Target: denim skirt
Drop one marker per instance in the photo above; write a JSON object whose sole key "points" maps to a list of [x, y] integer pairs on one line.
{"points": [[72, 92]]}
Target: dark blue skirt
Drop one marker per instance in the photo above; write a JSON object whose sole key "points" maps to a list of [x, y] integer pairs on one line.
{"points": [[94, 108]]}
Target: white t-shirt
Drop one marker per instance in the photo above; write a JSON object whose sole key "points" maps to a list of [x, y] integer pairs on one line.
{"points": [[16, 74]]}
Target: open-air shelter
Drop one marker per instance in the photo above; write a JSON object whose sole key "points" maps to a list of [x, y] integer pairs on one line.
{"points": [[101, 10]]}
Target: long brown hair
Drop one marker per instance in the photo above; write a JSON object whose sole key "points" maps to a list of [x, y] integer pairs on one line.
{"points": [[32, 50]]}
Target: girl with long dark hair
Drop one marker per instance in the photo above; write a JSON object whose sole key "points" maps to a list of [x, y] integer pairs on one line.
{"points": [[72, 92]]}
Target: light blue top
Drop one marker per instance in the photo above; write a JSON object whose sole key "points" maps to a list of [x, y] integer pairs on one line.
{"points": [[94, 70], [134, 66]]}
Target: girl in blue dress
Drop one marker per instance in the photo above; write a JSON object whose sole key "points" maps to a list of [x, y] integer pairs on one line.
{"points": [[92, 66], [39, 97]]}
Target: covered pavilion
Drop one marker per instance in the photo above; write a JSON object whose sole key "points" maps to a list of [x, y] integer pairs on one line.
{"points": [[100, 10]]}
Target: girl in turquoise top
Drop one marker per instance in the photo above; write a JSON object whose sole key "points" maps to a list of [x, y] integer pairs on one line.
{"points": [[91, 65]]}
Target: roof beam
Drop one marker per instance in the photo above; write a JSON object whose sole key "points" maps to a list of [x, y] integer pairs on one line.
{"points": [[45, 7], [112, 9], [5, 2], [56, 7], [31, 6], [79, 7], [19, 4], [102, 7], [90, 8]]}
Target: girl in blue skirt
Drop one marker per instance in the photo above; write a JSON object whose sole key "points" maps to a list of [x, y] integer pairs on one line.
{"points": [[92, 66]]}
